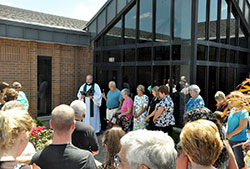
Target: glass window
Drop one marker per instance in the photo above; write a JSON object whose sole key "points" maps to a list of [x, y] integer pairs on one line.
{"points": [[243, 58], [201, 79], [223, 22], [242, 39], [162, 30], [232, 56], [213, 19], [120, 5], [101, 21], [176, 54], [223, 80], [130, 26], [181, 52], [44, 85], [92, 28], [182, 19], [231, 79], [161, 75], [99, 42], [212, 87], [223, 55], [129, 80], [145, 25], [144, 76], [201, 52], [212, 54], [113, 36], [111, 11], [201, 20], [111, 56], [162, 53], [145, 54], [129, 55], [98, 57], [232, 30]]}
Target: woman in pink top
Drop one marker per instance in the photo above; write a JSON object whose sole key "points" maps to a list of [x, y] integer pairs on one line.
{"points": [[126, 111]]}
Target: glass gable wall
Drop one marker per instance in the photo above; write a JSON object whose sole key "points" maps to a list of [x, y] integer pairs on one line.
{"points": [[150, 43]]}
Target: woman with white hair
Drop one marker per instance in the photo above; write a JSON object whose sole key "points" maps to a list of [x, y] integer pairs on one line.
{"points": [[126, 115], [140, 108], [145, 149], [196, 100]]}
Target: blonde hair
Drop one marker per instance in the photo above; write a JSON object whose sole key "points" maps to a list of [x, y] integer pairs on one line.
{"points": [[201, 141], [12, 122], [11, 94], [219, 96]]}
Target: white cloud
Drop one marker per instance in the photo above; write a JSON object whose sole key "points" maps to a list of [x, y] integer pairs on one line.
{"points": [[87, 9], [146, 15]]}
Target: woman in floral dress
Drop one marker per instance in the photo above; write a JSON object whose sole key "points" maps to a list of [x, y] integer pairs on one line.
{"points": [[140, 108]]}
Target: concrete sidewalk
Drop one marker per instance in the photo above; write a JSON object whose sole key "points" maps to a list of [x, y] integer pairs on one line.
{"points": [[100, 158]]}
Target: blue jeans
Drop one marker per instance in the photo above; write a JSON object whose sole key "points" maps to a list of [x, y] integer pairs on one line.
{"points": [[238, 153]]}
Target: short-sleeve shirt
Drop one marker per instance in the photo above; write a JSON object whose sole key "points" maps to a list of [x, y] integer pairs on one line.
{"points": [[194, 103], [84, 137], [113, 98], [64, 156], [140, 102], [22, 98], [233, 123], [128, 103], [167, 117]]}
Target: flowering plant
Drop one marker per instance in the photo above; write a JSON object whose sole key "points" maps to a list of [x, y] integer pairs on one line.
{"points": [[41, 137]]}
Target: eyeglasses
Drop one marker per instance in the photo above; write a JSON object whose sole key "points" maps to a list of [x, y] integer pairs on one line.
{"points": [[117, 160]]}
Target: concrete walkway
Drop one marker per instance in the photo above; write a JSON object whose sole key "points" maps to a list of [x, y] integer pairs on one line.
{"points": [[100, 158]]}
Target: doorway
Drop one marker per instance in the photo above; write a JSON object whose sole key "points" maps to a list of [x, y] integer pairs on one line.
{"points": [[44, 86]]}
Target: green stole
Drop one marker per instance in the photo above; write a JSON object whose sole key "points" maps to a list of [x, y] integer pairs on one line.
{"points": [[91, 101]]}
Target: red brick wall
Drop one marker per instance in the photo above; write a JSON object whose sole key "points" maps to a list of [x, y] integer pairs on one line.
{"points": [[70, 65]]}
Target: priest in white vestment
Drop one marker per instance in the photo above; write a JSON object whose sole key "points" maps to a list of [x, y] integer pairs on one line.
{"points": [[93, 101]]}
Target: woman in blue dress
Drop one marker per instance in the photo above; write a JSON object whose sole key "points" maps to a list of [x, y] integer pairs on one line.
{"points": [[196, 100]]}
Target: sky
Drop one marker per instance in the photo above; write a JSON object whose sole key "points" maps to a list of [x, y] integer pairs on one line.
{"points": [[77, 9]]}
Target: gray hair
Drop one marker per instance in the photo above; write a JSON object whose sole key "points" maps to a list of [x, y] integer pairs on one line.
{"points": [[156, 88], [78, 106], [112, 83], [195, 88], [13, 105], [125, 91], [154, 149], [141, 87]]}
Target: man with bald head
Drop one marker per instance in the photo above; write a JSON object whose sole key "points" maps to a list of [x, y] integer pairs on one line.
{"points": [[61, 154], [90, 94]]}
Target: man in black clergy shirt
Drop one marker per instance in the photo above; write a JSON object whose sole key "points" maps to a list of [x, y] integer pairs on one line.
{"points": [[84, 136]]}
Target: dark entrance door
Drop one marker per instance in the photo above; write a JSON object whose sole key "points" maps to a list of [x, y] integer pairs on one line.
{"points": [[103, 76], [44, 85]]}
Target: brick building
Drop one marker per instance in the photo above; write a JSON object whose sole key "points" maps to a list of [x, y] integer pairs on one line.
{"points": [[36, 47]]}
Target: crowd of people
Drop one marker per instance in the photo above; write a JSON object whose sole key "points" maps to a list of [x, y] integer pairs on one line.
{"points": [[139, 134]]}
